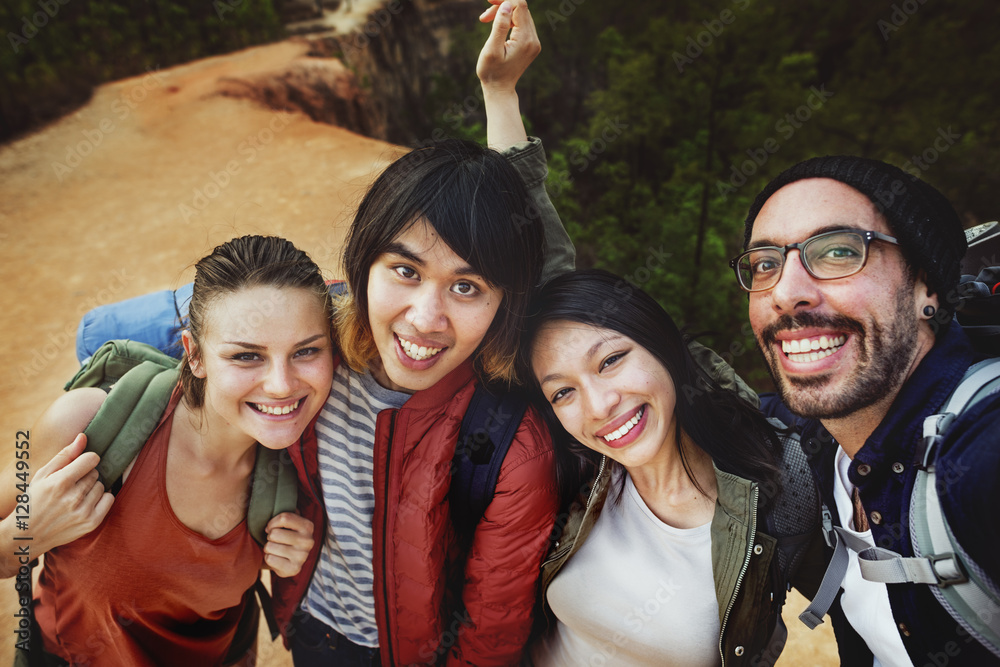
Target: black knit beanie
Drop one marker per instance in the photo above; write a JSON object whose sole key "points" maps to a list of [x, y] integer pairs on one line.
{"points": [[922, 220]]}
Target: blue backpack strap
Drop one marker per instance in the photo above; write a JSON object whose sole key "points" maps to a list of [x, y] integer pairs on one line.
{"points": [[488, 428]]}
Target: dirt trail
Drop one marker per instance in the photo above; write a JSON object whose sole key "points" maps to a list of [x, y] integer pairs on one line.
{"points": [[121, 197]]}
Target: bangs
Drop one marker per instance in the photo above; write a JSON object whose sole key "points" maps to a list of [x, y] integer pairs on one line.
{"points": [[479, 207], [480, 217]]}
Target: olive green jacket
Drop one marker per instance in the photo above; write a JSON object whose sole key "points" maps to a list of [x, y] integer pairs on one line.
{"points": [[748, 584]]}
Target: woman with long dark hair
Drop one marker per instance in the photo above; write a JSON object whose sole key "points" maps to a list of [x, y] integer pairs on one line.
{"points": [[662, 557]]}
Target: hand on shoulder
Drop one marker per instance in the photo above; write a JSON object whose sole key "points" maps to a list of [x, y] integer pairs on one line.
{"points": [[64, 498]]}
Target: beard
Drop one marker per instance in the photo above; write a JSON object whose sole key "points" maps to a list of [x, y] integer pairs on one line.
{"points": [[885, 351]]}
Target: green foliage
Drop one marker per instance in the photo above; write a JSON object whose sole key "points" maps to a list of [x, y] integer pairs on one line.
{"points": [[663, 121], [57, 50]]}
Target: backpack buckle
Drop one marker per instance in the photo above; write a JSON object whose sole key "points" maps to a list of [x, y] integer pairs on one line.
{"points": [[934, 426], [828, 534], [955, 574]]}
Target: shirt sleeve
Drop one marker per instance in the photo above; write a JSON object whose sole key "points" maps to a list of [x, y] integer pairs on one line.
{"points": [[967, 471], [528, 158]]}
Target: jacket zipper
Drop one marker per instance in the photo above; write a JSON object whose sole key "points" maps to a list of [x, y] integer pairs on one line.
{"points": [[319, 498], [590, 498], [743, 570], [385, 524]]}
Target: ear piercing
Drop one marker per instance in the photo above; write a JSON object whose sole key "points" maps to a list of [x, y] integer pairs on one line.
{"points": [[929, 311]]}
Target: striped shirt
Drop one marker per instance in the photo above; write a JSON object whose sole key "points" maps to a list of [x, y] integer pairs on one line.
{"points": [[340, 593]]}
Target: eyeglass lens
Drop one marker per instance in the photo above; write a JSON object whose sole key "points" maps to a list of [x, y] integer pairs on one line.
{"points": [[826, 256]]}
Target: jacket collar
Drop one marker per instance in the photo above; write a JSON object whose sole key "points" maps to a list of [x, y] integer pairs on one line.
{"points": [[446, 388], [734, 492], [734, 495], [924, 392]]}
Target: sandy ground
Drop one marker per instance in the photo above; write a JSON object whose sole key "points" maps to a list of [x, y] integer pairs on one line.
{"points": [[121, 198]]}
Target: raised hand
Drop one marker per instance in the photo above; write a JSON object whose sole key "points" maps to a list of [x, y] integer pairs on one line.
{"points": [[501, 63], [504, 59]]}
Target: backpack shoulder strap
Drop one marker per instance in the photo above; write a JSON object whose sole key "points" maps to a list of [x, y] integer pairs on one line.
{"points": [[274, 490], [488, 428], [793, 516], [958, 583], [139, 380], [979, 381], [112, 360], [128, 417], [842, 542]]}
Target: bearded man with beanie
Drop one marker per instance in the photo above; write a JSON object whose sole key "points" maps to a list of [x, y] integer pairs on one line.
{"points": [[852, 267]]}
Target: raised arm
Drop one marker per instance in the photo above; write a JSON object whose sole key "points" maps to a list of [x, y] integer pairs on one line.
{"points": [[501, 63]]}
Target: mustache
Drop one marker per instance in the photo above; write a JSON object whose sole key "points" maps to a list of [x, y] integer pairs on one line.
{"points": [[768, 336]]}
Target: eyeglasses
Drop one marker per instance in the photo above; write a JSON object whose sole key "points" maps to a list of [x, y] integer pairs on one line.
{"points": [[826, 256]]}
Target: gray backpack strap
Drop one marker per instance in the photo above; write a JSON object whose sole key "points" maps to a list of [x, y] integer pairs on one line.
{"points": [[961, 587], [793, 515], [957, 582], [969, 596], [842, 542]]}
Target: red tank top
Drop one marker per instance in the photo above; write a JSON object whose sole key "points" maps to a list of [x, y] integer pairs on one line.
{"points": [[144, 589]]}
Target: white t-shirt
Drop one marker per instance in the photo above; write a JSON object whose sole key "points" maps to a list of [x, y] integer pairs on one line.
{"points": [[865, 603], [638, 592]]}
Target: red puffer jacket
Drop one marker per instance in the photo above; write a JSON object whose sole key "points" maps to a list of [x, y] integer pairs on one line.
{"points": [[416, 554]]}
